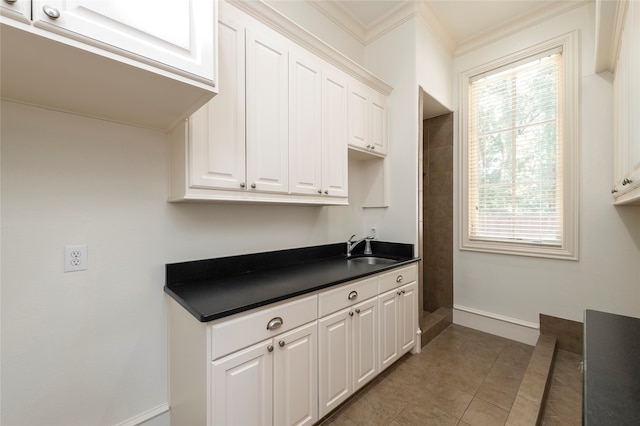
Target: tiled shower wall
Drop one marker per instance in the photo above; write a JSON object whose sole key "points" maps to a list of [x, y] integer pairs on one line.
{"points": [[438, 212]]}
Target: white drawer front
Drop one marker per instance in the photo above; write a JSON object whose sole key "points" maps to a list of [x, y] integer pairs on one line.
{"points": [[397, 277], [334, 300], [240, 332]]}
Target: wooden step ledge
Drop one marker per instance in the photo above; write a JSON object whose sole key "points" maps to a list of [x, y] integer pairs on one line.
{"points": [[528, 407]]}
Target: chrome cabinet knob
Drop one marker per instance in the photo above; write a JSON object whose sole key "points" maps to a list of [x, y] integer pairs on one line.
{"points": [[350, 313], [357, 311], [398, 292], [242, 184], [613, 191], [270, 348], [319, 191], [326, 191], [281, 343], [51, 12], [253, 186]]}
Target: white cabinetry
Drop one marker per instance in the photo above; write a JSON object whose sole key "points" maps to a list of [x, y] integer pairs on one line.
{"points": [[292, 363], [278, 132], [367, 120], [347, 341], [258, 367], [626, 188], [267, 111], [146, 63], [216, 133], [176, 34], [317, 127], [272, 382], [335, 177], [398, 314]]}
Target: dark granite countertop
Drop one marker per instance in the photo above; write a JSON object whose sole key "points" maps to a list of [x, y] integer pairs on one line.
{"points": [[612, 369], [215, 288]]}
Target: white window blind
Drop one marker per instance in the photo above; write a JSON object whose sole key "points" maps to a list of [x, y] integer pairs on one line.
{"points": [[515, 140]]}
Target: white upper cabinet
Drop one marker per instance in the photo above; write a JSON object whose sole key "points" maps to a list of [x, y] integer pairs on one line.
{"points": [[278, 131], [367, 119], [267, 111], [217, 131], [173, 34], [335, 179], [317, 128], [626, 189], [305, 123], [147, 63]]}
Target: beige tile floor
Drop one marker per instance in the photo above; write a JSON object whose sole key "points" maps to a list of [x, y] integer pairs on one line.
{"points": [[463, 377]]}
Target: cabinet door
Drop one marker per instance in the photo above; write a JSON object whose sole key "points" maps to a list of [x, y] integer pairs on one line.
{"points": [[334, 135], [242, 387], [20, 10], [177, 35], [358, 116], [365, 342], [217, 130], [408, 316], [334, 363], [267, 111], [388, 332], [295, 387], [378, 130], [305, 121]]}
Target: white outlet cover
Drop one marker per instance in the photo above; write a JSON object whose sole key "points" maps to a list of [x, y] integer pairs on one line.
{"points": [[75, 258]]}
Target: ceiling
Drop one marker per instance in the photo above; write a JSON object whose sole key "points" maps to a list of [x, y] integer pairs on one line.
{"points": [[464, 23]]}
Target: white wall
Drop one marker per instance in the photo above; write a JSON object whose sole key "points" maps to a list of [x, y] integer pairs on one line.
{"points": [[434, 66], [606, 276], [90, 347], [392, 58]]}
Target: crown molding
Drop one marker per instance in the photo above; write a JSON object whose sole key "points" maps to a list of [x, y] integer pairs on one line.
{"points": [[517, 24], [610, 17], [434, 23], [343, 19], [266, 14], [387, 23]]}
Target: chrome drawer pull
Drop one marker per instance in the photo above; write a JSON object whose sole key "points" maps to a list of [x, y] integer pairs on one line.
{"points": [[399, 279], [274, 323], [352, 295]]}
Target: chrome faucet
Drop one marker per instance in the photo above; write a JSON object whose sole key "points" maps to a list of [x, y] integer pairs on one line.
{"points": [[352, 244]]}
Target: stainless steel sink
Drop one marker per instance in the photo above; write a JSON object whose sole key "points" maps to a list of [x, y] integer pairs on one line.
{"points": [[372, 260]]}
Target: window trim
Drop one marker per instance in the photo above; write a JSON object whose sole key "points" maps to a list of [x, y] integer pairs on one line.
{"points": [[570, 97]]}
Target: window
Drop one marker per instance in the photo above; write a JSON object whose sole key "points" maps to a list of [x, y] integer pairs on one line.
{"points": [[519, 172]]}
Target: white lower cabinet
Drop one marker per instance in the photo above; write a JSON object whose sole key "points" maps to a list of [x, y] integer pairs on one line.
{"points": [[272, 382], [347, 344], [241, 387], [293, 362], [398, 314]]}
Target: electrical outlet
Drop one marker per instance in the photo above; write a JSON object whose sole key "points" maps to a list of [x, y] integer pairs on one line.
{"points": [[75, 258]]}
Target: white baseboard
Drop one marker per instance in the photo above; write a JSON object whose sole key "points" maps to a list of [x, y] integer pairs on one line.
{"points": [[510, 328], [146, 416]]}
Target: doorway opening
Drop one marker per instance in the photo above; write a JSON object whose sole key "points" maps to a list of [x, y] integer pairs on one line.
{"points": [[435, 218]]}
